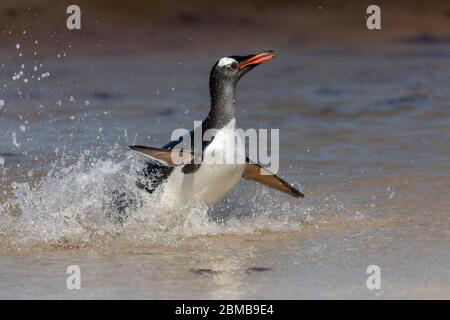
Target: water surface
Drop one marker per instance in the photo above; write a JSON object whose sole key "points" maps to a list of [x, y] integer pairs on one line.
{"points": [[365, 133]]}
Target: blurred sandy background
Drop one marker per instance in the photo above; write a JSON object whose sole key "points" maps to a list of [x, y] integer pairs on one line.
{"points": [[180, 25]]}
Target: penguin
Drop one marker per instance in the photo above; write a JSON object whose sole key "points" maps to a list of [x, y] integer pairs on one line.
{"points": [[193, 175]]}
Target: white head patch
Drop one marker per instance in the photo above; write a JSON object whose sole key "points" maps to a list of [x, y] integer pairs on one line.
{"points": [[225, 61]]}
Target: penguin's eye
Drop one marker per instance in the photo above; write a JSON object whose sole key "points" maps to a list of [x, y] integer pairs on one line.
{"points": [[233, 65]]}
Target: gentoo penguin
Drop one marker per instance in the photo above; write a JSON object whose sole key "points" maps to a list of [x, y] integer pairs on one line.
{"points": [[182, 181]]}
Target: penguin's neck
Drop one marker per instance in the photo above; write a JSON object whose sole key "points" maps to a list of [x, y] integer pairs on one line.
{"points": [[222, 105]]}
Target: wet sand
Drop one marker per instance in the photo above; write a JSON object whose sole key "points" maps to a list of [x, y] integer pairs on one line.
{"points": [[325, 260]]}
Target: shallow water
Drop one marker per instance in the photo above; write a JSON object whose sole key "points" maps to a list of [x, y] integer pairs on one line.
{"points": [[365, 133]]}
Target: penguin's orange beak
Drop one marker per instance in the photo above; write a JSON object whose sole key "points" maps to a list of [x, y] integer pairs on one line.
{"points": [[257, 59]]}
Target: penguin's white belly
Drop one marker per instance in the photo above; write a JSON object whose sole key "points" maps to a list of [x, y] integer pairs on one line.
{"points": [[210, 183], [214, 178]]}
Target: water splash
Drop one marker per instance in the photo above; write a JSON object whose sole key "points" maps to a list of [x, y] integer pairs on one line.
{"points": [[73, 207]]}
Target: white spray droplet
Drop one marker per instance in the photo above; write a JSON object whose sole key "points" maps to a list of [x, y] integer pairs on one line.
{"points": [[14, 140]]}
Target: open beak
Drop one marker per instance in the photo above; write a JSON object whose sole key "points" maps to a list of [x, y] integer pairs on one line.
{"points": [[256, 59]]}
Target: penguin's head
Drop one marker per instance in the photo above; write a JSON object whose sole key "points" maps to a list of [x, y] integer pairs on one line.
{"points": [[231, 69]]}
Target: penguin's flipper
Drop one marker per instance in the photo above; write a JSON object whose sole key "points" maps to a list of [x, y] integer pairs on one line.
{"points": [[256, 172], [166, 157]]}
